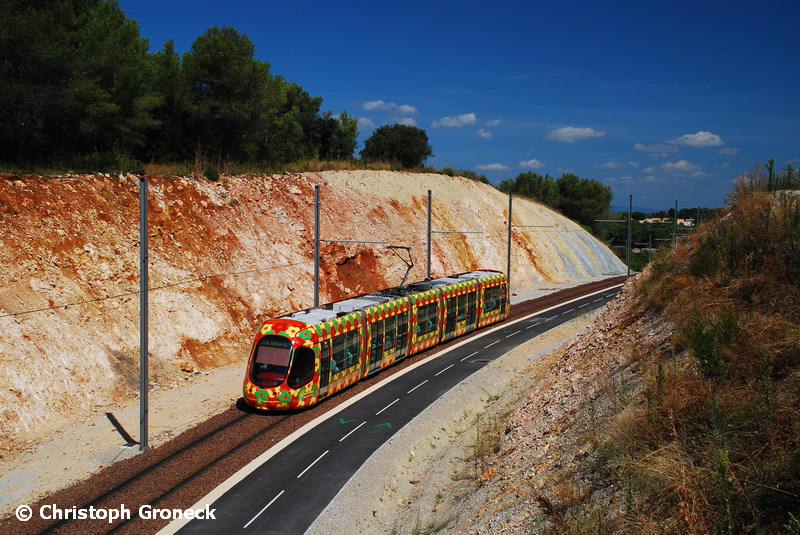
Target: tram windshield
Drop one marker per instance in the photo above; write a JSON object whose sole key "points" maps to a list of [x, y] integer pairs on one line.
{"points": [[271, 362]]}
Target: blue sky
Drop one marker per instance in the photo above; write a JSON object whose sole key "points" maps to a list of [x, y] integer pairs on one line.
{"points": [[665, 100]]}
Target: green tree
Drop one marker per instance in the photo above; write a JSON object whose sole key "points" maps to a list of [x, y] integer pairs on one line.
{"points": [[167, 81], [535, 186], [73, 77], [226, 89], [406, 145], [583, 200]]}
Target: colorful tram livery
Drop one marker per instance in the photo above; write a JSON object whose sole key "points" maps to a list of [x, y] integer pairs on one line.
{"points": [[301, 359]]}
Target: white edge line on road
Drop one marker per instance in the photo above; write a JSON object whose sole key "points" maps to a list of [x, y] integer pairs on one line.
{"points": [[442, 371], [468, 356], [347, 435], [324, 453], [253, 465], [493, 343], [264, 509], [386, 407], [512, 334]]}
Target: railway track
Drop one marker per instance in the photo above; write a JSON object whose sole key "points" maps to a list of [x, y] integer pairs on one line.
{"points": [[176, 474]]}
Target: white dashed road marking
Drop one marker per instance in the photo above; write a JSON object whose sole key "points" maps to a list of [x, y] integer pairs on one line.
{"points": [[493, 343], [386, 407], [512, 334], [264, 509], [444, 370], [468, 356], [419, 385], [567, 312], [344, 437], [321, 456]]}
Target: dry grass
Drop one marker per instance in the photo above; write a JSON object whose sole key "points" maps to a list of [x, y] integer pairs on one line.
{"points": [[712, 444], [198, 167], [477, 464]]}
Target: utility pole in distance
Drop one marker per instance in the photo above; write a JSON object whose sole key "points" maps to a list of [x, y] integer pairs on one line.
{"points": [[430, 209], [508, 260], [629, 251], [316, 246], [675, 226], [143, 326]]}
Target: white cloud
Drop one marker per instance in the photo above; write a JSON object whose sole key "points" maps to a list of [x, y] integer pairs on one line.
{"points": [[725, 165], [531, 164], [681, 166], [483, 134], [564, 170], [659, 149], [493, 167], [699, 139], [494, 122], [649, 170], [619, 165], [572, 134], [408, 121], [457, 121], [652, 178], [728, 151], [365, 123], [392, 107]]}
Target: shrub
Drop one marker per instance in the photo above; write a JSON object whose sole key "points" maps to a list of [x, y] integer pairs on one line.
{"points": [[211, 172]]}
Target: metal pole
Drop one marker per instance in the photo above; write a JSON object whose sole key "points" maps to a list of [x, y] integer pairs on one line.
{"points": [[143, 327], [630, 230], [430, 209], [508, 260], [316, 245], [675, 226]]}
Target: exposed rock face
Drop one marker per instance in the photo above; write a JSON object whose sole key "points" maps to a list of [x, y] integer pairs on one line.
{"points": [[224, 256]]}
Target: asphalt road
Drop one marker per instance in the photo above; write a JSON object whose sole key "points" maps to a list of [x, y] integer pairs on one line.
{"points": [[287, 493]]}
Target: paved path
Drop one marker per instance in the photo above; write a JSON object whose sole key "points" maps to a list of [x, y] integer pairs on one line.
{"points": [[287, 493]]}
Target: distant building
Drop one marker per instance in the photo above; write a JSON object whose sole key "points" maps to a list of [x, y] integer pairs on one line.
{"points": [[688, 222]]}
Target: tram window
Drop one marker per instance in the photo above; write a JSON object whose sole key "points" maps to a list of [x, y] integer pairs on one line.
{"points": [[325, 363], [402, 331], [389, 333], [427, 319], [271, 361], [450, 324], [490, 301], [302, 370], [472, 307], [376, 344], [352, 348], [501, 290], [462, 307], [339, 356]]}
